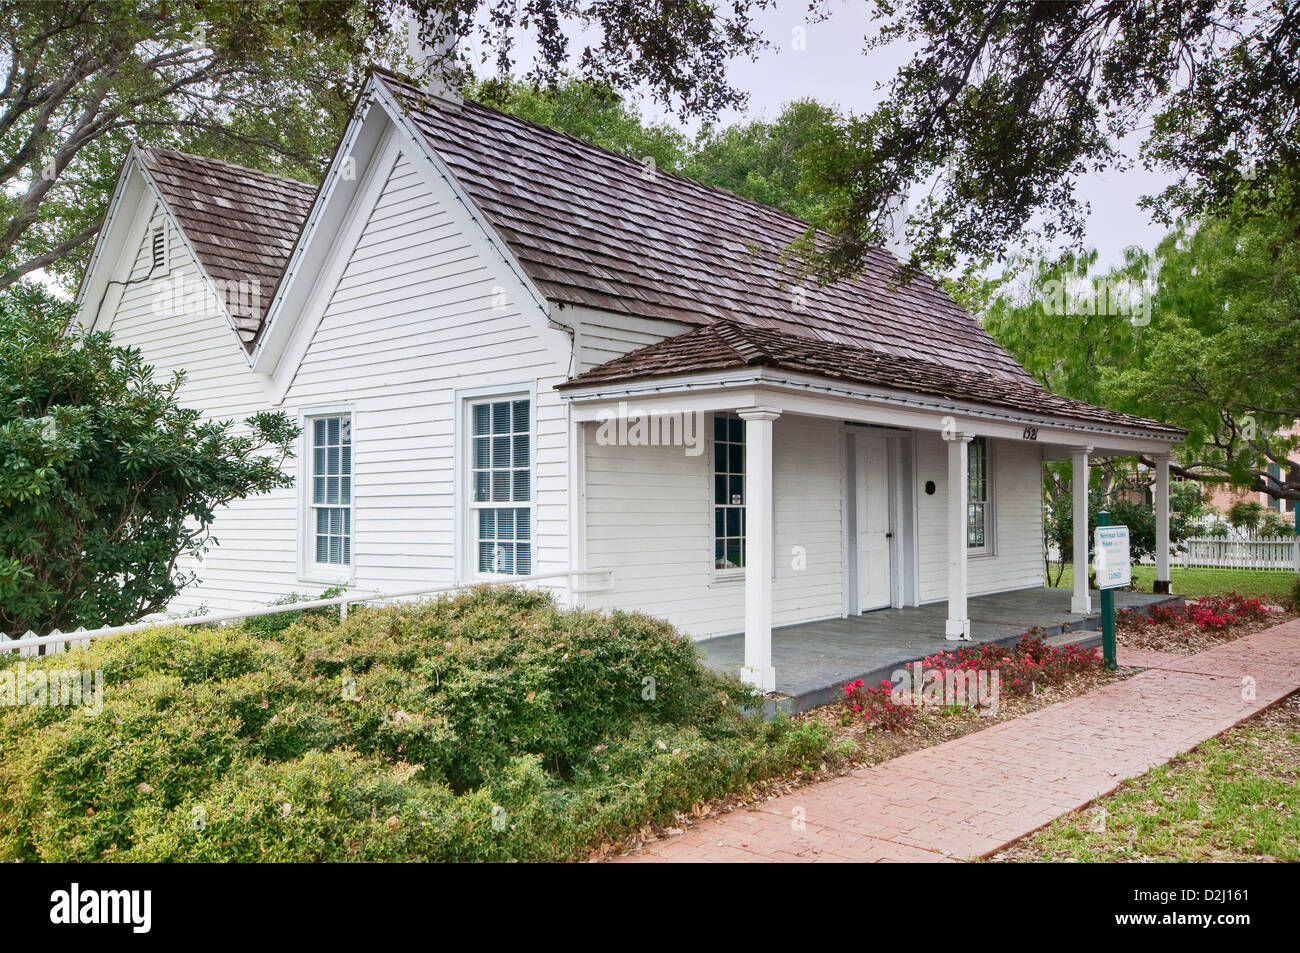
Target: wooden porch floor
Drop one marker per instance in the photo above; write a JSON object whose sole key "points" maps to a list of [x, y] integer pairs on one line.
{"points": [[813, 659]]}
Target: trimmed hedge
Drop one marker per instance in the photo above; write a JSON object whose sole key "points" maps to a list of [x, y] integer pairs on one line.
{"points": [[490, 726]]}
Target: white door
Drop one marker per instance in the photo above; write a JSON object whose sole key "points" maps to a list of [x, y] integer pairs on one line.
{"points": [[872, 469]]}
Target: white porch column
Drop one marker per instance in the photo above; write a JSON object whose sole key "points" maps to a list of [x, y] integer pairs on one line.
{"points": [[957, 628], [758, 670], [1162, 524], [1082, 600]]}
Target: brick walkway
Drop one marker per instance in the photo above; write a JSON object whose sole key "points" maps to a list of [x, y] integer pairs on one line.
{"points": [[972, 796]]}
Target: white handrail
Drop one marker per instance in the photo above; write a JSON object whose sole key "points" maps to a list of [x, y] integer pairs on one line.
{"points": [[354, 598]]}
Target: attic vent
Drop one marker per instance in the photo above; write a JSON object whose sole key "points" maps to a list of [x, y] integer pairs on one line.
{"points": [[159, 248]]}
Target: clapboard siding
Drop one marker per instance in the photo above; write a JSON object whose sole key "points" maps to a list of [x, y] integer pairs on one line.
{"points": [[650, 519], [249, 564], [603, 336], [1017, 558], [415, 316]]}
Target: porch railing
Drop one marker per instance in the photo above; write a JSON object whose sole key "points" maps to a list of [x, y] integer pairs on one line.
{"points": [[32, 644]]}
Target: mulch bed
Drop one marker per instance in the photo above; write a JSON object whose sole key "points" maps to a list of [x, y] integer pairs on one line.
{"points": [[1181, 637]]}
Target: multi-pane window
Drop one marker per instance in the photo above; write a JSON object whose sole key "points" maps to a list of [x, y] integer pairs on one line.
{"points": [[331, 489], [977, 494], [501, 477], [728, 492]]}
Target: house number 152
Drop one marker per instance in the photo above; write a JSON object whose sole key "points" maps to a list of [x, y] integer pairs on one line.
{"points": [[1031, 433]]}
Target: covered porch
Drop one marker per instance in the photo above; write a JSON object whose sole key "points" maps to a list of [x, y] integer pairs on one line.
{"points": [[920, 538], [813, 659]]}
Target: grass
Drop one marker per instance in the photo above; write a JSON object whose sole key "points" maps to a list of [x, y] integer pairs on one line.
{"points": [[1274, 583], [1233, 798]]}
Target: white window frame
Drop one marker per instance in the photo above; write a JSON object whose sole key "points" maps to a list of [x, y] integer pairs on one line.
{"points": [[309, 570], [990, 490], [724, 575], [467, 508]]}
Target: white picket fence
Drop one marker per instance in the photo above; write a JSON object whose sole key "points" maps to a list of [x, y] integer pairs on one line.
{"points": [[1279, 552], [32, 644]]}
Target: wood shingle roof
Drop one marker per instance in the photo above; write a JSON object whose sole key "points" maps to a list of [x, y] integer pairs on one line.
{"points": [[731, 345], [592, 227], [242, 224]]}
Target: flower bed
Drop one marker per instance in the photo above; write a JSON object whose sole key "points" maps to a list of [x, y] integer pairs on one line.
{"points": [[1196, 626], [976, 671]]}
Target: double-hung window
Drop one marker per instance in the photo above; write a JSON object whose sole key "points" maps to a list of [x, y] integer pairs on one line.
{"points": [[330, 492], [979, 523], [728, 492], [501, 487]]}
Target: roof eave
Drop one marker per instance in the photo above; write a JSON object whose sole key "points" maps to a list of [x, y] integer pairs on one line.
{"points": [[772, 376]]}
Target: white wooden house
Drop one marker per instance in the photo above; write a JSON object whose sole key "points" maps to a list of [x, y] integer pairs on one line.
{"points": [[512, 352]]}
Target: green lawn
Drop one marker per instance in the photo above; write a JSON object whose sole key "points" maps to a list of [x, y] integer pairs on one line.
{"points": [[1274, 583], [1233, 798]]}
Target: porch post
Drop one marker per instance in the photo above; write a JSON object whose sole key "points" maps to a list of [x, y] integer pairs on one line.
{"points": [[1162, 524], [758, 670], [957, 628], [1082, 600]]}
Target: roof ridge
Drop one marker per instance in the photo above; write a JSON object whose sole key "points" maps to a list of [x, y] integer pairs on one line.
{"points": [[735, 336]]}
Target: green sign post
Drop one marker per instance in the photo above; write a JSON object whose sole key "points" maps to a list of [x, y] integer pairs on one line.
{"points": [[1113, 569], [1107, 611]]}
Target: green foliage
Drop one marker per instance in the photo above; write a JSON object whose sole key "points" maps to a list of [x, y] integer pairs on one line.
{"points": [[1046, 314], [262, 83], [1295, 594], [266, 626], [270, 84], [1274, 524], [1139, 517], [490, 726], [1224, 338], [1003, 105], [104, 479], [1205, 350], [765, 161], [1245, 514]]}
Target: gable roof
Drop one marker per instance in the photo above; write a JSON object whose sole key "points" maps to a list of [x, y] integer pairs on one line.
{"points": [[731, 345], [593, 227], [587, 227], [241, 223]]}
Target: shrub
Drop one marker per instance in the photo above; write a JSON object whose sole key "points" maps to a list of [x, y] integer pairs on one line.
{"points": [[1209, 613], [493, 725], [875, 705], [1028, 665], [1295, 594], [105, 479]]}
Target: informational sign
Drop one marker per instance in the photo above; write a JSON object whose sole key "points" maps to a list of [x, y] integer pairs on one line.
{"points": [[1112, 557]]}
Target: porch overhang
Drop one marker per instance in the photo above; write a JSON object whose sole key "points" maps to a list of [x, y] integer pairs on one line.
{"points": [[808, 395]]}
